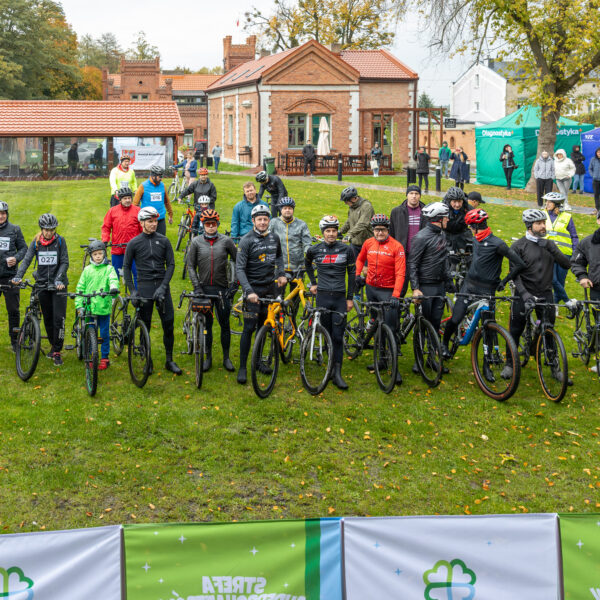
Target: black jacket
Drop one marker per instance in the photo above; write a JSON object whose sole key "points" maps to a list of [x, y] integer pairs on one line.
{"points": [[428, 262], [585, 261], [578, 158], [308, 152], [274, 186], [201, 189], [12, 243], [52, 262], [399, 222], [333, 262], [207, 260], [458, 233], [509, 161], [422, 159], [259, 260], [154, 259]]}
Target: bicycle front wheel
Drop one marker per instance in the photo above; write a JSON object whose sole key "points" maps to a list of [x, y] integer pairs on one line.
{"points": [[385, 358], [492, 349], [288, 350], [183, 229], [236, 316], [316, 359], [583, 345], [90, 358], [354, 333], [117, 324], [265, 361], [428, 352], [552, 366], [28, 347], [138, 353], [198, 328]]}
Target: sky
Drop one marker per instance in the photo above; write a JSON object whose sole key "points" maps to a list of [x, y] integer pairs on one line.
{"points": [[191, 35]]}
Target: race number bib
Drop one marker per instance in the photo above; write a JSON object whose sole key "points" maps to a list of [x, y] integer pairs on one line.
{"points": [[47, 258], [156, 197], [4, 243]]}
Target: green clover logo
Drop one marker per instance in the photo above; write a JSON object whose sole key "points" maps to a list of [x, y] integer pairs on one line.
{"points": [[15, 585], [449, 581]]}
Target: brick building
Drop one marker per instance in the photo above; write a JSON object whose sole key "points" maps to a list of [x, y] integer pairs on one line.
{"points": [[272, 104]]}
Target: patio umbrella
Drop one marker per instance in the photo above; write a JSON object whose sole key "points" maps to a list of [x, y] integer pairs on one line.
{"points": [[323, 146]]}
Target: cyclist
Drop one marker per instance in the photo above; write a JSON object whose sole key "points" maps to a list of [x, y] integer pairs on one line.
{"points": [[333, 260], [202, 186], [154, 193], [259, 261], [560, 229], [275, 187], [121, 175], [241, 219], [386, 270], [99, 276], [122, 225], [155, 261], [202, 205], [207, 267], [52, 260], [12, 251], [357, 229], [457, 232], [483, 276], [475, 199], [535, 280]]}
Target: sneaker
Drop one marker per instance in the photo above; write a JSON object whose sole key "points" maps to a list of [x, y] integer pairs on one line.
{"points": [[446, 352], [58, 361], [594, 369], [104, 364], [507, 372], [264, 368], [566, 206], [50, 355]]}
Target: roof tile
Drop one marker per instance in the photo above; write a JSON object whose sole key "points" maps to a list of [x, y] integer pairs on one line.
{"points": [[377, 64]]}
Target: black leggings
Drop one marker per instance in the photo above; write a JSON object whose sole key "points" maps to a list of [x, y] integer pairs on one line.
{"points": [[162, 226], [518, 319], [223, 310], [165, 310], [596, 188], [424, 177], [335, 324], [255, 314], [459, 184], [543, 186], [54, 311], [12, 299], [508, 171], [433, 308], [390, 315]]}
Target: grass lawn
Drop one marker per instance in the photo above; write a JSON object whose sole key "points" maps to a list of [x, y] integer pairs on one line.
{"points": [[169, 452]]}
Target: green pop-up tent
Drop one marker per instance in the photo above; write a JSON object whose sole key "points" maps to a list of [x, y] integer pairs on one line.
{"points": [[519, 129]]}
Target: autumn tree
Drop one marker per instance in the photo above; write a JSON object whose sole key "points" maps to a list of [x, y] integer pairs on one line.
{"points": [[142, 49], [100, 52]]}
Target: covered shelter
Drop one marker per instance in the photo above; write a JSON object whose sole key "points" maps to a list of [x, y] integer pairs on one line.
{"points": [[590, 142], [520, 129], [37, 135]]}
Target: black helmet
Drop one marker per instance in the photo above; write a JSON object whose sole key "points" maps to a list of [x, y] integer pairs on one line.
{"points": [[348, 193], [124, 191], [262, 177], [156, 170], [454, 193], [96, 245], [48, 221], [380, 220], [287, 201]]}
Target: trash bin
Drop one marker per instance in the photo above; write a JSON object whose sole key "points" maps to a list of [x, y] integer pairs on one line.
{"points": [[269, 165], [209, 161]]}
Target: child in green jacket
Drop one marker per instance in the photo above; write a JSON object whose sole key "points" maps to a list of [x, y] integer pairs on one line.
{"points": [[99, 276]]}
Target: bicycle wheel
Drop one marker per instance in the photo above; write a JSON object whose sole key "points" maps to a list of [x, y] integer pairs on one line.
{"points": [[28, 347], [118, 319], [138, 353], [595, 345], [552, 366], [288, 349], [428, 352], [583, 346], [354, 333], [491, 349], [385, 358], [185, 253], [316, 359], [173, 190], [90, 359], [236, 316], [78, 327], [265, 361], [183, 229], [198, 329]]}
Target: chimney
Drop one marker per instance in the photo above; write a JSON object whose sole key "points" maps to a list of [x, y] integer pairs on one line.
{"points": [[264, 52], [237, 54], [334, 47]]}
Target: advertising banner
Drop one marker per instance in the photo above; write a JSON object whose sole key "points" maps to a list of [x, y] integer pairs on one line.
{"points": [[259, 560], [144, 157], [499, 557], [70, 565], [580, 540]]}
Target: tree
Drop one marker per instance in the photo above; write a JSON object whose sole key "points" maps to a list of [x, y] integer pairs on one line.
{"points": [[424, 101], [142, 49], [556, 42]]}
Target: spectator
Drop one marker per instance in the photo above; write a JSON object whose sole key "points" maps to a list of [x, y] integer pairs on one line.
{"points": [[73, 159], [98, 157], [507, 158], [594, 171], [543, 171], [241, 220], [444, 158], [460, 170], [376, 155], [564, 169], [422, 159], [578, 158], [216, 152], [308, 154]]}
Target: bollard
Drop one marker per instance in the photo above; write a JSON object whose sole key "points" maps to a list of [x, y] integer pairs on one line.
{"points": [[438, 179], [411, 176], [340, 165], [201, 161], [468, 176]]}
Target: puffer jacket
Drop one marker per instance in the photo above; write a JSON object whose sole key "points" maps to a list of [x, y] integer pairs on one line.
{"points": [[358, 225], [544, 168], [578, 159], [97, 278], [563, 168], [295, 240], [12, 243], [123, 224]]}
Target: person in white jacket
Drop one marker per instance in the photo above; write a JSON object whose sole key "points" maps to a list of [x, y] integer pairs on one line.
{"points": [[564, 169]]}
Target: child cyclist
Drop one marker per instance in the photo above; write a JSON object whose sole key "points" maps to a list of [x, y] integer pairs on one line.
{"points": [[99, 276]]}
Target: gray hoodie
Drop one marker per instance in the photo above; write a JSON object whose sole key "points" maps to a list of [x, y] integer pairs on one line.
{"points": [[544, 168], [295, 240]]}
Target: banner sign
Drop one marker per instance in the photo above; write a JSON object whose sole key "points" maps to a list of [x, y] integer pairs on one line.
{"points": [[580, 540], [144, 157], [504, 557], [259, 560], [70, 565]]}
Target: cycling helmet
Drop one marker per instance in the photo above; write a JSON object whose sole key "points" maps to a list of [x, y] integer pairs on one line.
{"points": [[380, 220], [555, 197], [203, 200], [3, 207], [48, 221], [210, 214], [348, 193], [147, 213], [436, 211], [329, 221], [260, 209], [454, 193], [531, 215], [156, 170], [475, 216], [96, 245], [203, 171], [124, 191], [286, 201], [261, 177]]}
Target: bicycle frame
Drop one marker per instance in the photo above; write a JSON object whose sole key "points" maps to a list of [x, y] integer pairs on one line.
{"points": [[480, 306]]}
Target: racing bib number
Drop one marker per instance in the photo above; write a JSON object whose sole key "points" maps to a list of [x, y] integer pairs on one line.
{"points": [[4, 243], [48, 258], [156, 197]]}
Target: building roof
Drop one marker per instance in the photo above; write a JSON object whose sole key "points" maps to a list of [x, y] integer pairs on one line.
{"points": [[34, 118], [377, 64], [187, 82]]}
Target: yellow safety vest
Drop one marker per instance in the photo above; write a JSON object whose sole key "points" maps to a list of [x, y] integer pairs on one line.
{"points": [[558, 232]]}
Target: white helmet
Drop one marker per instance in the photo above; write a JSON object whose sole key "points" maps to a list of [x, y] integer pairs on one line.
{"points": [[148, 212], [260, 209], [436, 210], [555, 197], [531, 215], [203, 200], [329, 221]]}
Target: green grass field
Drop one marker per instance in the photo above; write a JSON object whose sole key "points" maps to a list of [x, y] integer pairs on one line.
{"points": [[169, 452]]}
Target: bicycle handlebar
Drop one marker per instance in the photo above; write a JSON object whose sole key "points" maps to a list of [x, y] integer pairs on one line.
{"points": [[185, 294]]}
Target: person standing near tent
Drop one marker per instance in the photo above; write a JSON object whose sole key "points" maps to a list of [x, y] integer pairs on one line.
{"points": [[543, 171], [444, 159], [578, 158], [564, 169], [594, 171], [507, 158]]}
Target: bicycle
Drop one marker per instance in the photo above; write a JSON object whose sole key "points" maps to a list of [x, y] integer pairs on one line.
{"points": [[194, 327], [540, 339], [185, 224], [177, 185], [586, 335], [488, 355]]}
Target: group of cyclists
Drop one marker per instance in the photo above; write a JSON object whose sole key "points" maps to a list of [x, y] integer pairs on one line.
{"points": [[268, 245]]}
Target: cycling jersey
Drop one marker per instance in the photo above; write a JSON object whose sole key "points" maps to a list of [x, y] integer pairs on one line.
{"points": [[585, 262], [12, 244], [123, 224], [428, 262], [201, 189], [386, 264], [275, 187], [207, 260], [259, 261], [119, 177], [332, 261], [52, 261], [155, 196], [154, 259]]}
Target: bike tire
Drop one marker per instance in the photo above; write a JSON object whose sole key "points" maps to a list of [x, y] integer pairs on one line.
{"points": [[198, 328], [583, 347], [428, 352], [172, 190], [182, 231], [319, 345], [236, 316], [138, 353], [502, 391], [29, 343], [90, 359], [185, 253], [265, 355], [354, 333], [79, 333], [551, 358], [288, 350], [385, 358], [596, 344], [117, 324]]}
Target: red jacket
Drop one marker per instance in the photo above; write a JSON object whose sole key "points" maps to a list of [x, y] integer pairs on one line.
{"points": [[124, 225], [386, 264]]}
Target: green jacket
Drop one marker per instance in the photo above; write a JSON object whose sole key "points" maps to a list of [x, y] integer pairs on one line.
{"points": [[358, 226], [97, 278]]}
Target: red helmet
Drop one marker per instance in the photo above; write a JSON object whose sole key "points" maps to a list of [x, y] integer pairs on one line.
{"points": [[477, 215], [210, 215], [203, 171]]}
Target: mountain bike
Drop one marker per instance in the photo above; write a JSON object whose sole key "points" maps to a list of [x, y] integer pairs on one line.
{"points": [[316, 351], [177, 185], [587, 334], [185, 224]]}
